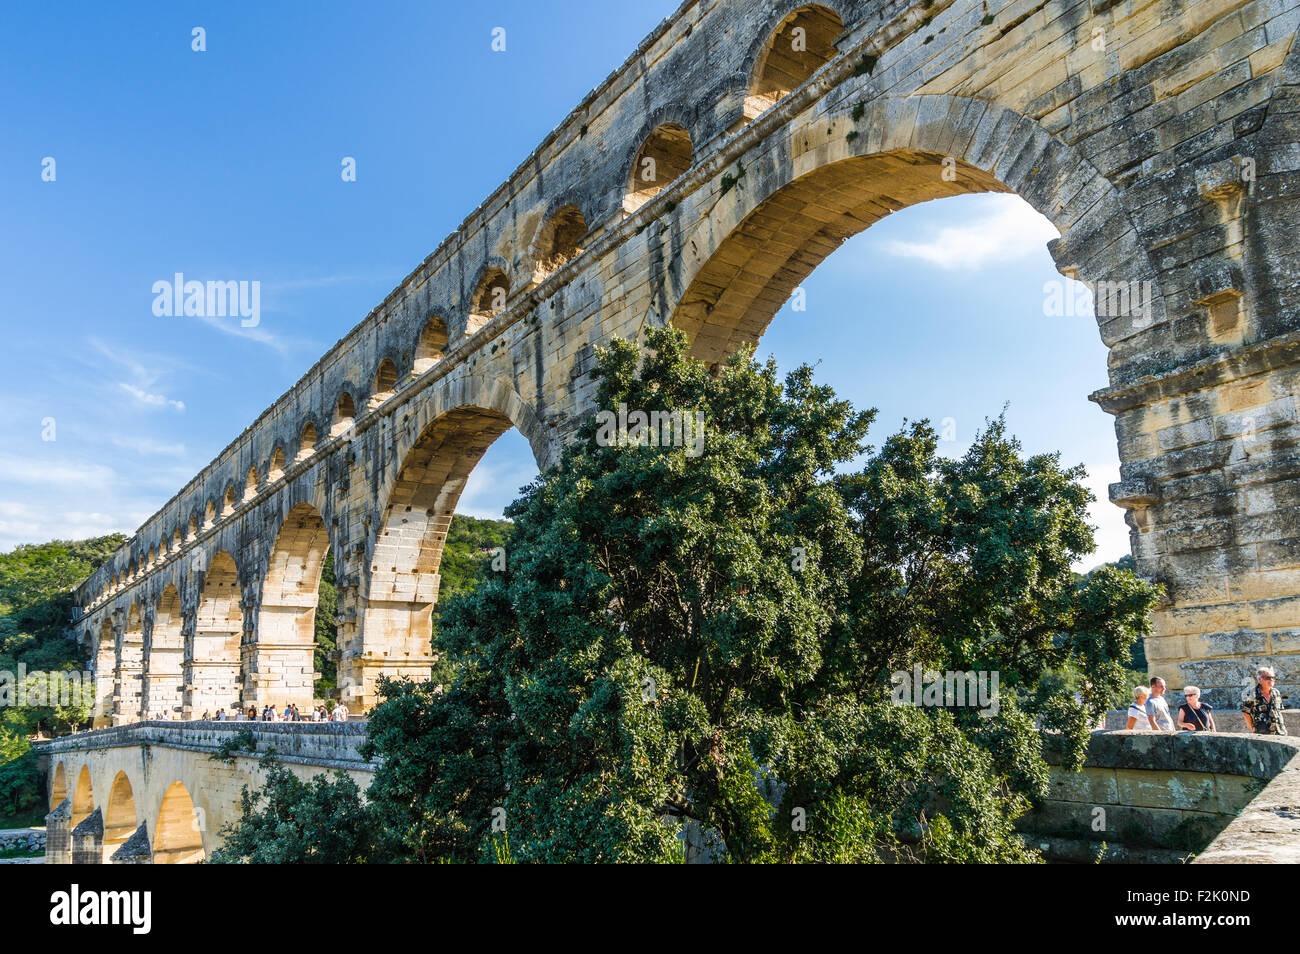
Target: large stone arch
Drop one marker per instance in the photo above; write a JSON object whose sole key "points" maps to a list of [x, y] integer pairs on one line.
{"points": [[58, 785], [816, 185], [105, 655], [458, 424], [212, 677], [83, 798], [129, 667], [165, 658], [120, 817], [279, 665], [178, 832]]}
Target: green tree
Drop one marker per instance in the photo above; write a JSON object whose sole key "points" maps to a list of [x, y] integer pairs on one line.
{"points": [[713, 640], [321, 820], [466, 559], [327, 628], [35, 605]]}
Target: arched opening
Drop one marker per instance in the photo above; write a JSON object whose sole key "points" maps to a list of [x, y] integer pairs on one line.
{"points": [[307, 441], [802, 44], [250, 484], [164, 672], [177, 540], [153, 555], [404, 575], [212, 678], [664, 156], [228, 501], [194, 527], [276, 470], [130, 668], [179, 836], [58, 786], [119, 816], [105, 674], [209, 516], [83, 799], [560, 241], [760, 258], [734, 295], [385, 383], [282, 669], [489, 299], [432, 344], [345, 411]]}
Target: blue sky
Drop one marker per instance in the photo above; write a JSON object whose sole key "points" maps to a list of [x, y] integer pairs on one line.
{"points": [[226, 163]]}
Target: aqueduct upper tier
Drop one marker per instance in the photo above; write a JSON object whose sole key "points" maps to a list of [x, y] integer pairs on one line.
{"points": [[698, 185]]}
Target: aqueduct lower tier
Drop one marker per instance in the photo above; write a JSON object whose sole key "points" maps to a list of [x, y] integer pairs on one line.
{"points": [[698, 185]]}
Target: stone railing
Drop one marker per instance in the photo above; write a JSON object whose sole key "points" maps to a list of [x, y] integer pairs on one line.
{"points": [[1169, 797], [326, 744]]}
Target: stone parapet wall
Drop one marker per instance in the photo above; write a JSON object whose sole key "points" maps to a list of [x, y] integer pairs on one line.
{"points": [[1159, 796], [325, 744]]}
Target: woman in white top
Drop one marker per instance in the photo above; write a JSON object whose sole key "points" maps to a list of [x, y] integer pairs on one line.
{"points": [[1137, 712]]}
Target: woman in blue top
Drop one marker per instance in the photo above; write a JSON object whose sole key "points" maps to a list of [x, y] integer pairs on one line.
{"points": [[1195, 715]]}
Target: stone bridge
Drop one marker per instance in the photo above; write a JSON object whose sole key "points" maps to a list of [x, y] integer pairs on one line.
{"points": [[160, 792], [698, 185]]}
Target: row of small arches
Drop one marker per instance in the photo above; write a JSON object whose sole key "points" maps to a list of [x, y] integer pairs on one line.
{"points": [[177, 837], [796, 48], [800, 44]]}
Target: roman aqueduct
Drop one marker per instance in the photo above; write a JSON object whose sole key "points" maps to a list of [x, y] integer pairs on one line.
{"points": [[698, 185]]}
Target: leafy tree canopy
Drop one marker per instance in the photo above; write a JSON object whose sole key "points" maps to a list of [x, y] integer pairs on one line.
{"points": [[709, 644]]}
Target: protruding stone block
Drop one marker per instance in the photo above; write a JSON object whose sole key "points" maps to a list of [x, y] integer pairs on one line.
{"points": [[88, 840]]}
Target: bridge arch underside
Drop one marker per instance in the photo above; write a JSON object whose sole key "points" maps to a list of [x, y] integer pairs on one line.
{"points": [[1210, 510], [178, 833], [58, 785], [165, 659], [280, 664], [736, 293], [120, 817], [212, 672], [403, 571]]}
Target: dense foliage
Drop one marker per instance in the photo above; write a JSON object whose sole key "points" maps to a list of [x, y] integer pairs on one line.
{"points": [[35, 606], [710, 649], [291, 821], [327, 628]]}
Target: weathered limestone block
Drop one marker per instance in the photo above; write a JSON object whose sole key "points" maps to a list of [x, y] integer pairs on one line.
{"points": [[58, 842], [87, 840], [135, 850]]}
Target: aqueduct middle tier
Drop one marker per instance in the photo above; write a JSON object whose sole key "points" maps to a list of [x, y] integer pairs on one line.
{"points": [[699, 184]]}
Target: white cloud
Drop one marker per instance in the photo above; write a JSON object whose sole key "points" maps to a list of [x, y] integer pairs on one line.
{"points": [[153, 400], [1009, 230], [233, 326], [22, 523]]}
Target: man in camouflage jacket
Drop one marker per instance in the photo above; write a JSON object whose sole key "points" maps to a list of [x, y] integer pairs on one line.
{"points": [[1262, 706]]}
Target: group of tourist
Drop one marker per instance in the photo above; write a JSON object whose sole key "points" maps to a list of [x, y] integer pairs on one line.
{"points": [[291, 713], [1261, 707]]}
